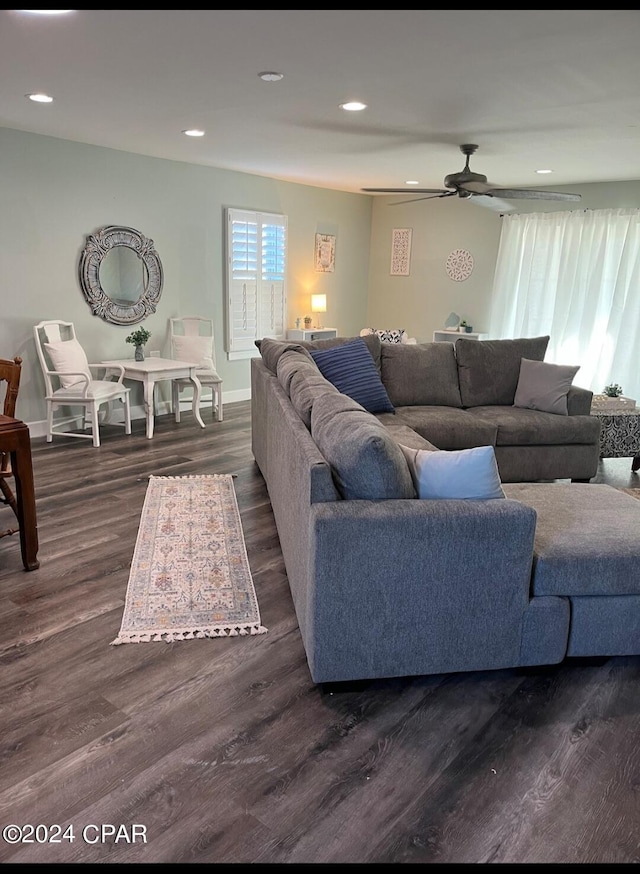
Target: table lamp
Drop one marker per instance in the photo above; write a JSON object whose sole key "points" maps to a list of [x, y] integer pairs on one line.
{"points": [[318, 304]]}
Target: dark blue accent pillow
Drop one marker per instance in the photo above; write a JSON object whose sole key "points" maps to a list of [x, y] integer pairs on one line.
{"points": [[351, 368]]}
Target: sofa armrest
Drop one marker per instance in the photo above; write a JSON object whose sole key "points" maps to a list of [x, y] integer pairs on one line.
{"points": [[579, 401], [402, 587]]}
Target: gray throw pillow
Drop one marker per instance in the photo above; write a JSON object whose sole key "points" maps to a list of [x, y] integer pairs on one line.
{"points": [[488, 370], [543, 386], [366, 463]]}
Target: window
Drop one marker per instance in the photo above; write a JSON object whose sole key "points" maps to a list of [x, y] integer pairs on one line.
{"points": [[256, 280]]}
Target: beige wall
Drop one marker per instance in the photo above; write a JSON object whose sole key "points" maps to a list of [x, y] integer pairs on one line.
{"points": [[421, 302], [55, 193]]}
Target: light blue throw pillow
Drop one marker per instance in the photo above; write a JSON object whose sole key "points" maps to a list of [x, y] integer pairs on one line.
{"points": [[469, 474], [351, 368]]}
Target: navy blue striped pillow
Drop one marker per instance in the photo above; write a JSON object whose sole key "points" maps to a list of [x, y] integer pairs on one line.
{"points": [[351, 368]]}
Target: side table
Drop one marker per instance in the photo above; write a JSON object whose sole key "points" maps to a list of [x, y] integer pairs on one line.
{"points": [[620, 435]]}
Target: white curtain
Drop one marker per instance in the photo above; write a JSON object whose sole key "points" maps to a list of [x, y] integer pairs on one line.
{"points": [[574, 275]]}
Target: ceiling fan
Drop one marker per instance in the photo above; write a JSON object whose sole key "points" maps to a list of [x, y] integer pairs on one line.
{"points": [[467, 184]]}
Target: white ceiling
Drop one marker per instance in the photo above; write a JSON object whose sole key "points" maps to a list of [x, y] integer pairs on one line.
{"points": [[534, 89]]}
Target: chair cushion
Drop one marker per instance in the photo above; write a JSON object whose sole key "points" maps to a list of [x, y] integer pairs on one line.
{"points": [[194, 348], [544, 387], [68, 355], [351, 368]]}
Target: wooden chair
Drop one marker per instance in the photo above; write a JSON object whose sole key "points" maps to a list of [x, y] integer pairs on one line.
{"points": [[10, 370], [192, 340], [71, 382]]}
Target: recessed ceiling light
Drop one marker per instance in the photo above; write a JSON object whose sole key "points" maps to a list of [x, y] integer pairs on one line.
{"points": [[544, 171], [47, 11], [412, 182], [193, 132], [353, 106], [270, 76], [40, 98]]}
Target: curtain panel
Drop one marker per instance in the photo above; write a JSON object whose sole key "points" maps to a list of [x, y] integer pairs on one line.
{"points": [[574, 275]]}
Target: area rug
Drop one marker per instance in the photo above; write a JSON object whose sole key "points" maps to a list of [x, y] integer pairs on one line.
{"points": [[190, 576], [635, 493]]}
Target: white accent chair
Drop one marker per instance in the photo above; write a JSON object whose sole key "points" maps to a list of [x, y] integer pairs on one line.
{"points": [[70, 381], [192, 340], [389, 335]]}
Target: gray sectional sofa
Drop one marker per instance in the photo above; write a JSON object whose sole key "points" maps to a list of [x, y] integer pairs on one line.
{"points": [[386, 584]]}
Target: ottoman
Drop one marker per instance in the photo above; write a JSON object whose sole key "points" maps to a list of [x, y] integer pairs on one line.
{"points": [[587, 549]]}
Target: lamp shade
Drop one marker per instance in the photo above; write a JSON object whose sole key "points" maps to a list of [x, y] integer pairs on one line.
{"points": [[318, 303]]}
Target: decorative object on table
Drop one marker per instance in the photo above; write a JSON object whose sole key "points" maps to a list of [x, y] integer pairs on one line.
{"points": [[612, 400], [400, 251], [120, 275], [318, 305], [465, 328], [308, 321], [298, 323], [459, 265], [190, 575], [139, 337], [452, 322], [325, 253]]}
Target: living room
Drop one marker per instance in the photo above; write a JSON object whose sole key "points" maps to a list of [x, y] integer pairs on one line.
{"points": [[225, 750]]}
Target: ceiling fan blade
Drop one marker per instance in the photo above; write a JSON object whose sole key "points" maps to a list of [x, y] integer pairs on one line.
{"points": [[531, 194], [428, 197], [496, 204], [440, 191]]}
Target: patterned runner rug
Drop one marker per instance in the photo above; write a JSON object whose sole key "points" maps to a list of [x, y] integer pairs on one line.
{"points": [[190, 575]]}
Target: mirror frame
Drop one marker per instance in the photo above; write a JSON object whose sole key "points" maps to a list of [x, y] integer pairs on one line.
{"points": [[100, 244]]}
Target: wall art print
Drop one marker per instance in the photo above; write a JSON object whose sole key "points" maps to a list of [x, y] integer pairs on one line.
{"points": [[401, 251], [325, 260], [459, 265]]}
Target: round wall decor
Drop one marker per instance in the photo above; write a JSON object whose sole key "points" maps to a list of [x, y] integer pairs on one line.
{"points": [[459, 265]]}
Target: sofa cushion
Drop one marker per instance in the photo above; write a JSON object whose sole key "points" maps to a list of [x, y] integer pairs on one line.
{"points": [[424, 374], [488, 370], [351, 369], [291, 362], [366, 462], [517, 426], [449, 427], [543, 386], [305, 388], [468, 474], [271, 350]]}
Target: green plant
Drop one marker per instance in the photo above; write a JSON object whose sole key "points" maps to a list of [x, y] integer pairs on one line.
{"points": [[613, 391], [138, 337], [463, 323]]}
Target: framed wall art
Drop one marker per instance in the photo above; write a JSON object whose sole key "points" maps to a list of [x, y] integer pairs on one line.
{"points": [[325, 255], [400, 251]]}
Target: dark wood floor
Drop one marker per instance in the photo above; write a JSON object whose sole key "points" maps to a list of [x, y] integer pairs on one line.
{"points": [[224, 751]]}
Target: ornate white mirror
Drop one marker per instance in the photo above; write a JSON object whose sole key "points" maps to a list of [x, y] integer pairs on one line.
{"points": [[120, 275]]}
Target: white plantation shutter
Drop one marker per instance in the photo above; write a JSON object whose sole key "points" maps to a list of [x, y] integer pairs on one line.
{"points": [[256, 279]]}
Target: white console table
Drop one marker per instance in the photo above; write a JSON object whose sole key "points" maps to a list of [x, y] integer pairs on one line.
{"points": [[452, 336], [312, 333]]}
